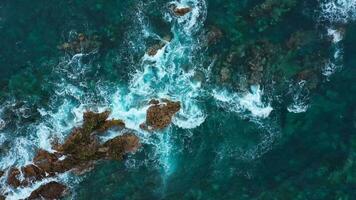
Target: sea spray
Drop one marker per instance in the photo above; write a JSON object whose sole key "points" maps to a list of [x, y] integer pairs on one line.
{"points": [[240, 103]]}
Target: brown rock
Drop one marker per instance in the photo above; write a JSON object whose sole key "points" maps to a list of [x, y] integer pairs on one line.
{"points": [[32, 173], [181, 11], [49, 191], [118, 146], [154, 49], [159, 116], [12, 178], [110, 124]]}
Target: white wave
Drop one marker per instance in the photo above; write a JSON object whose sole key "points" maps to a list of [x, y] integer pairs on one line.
{"points": [[194, 20], [20, 153], [335, 63], [298, 107], [250, 101], [24, 192], [300, 97], [338, 10]]}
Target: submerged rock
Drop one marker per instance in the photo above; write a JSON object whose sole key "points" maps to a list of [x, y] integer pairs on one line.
{"points": [[214, 34], [49, 191], [159, 114], [81, 43]]}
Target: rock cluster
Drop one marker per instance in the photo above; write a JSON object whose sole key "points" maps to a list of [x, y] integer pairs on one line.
{"points": [[79, 152], [159, 114], [82, 149]]}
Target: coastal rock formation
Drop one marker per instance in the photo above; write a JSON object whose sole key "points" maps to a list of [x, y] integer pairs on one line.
{"points": [[49, 191], [159, 114], [79, 153]]}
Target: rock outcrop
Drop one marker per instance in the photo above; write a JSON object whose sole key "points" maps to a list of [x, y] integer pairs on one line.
{"points": [[49, 191], [80, 151], [159, 114]]}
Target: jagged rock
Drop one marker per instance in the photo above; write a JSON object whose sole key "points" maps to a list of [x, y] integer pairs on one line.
{"points": [[12, 178], [32, 173], [79, 153], [159, 115], [49, 191], [50, 162]]}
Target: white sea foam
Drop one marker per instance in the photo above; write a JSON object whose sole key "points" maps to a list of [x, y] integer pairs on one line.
{"points": [[336, 62], [240, 103], [300, 97], [338, 10]]}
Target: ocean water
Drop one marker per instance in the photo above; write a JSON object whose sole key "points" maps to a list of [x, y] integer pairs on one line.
{"points": [[289, 135]]}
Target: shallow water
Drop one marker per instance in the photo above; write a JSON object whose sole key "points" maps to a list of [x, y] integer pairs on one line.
{"points": [[283, 138]]}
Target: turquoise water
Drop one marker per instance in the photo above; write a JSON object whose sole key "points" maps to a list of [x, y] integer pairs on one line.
{"points": [[275, 133]]}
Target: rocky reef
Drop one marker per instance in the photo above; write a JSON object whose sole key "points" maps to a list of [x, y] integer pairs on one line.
{"points": [[83, 148]]}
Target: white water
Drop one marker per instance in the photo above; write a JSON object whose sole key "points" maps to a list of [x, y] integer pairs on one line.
{"points": [[338, 10], [336, 62], [251, 102], [160, 76]]}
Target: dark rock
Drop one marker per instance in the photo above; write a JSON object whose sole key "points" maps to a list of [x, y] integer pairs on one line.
{"points": [[1, 173], [181, 11], [49, 191], [12, 178], [159, 116], [32, 173]]}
